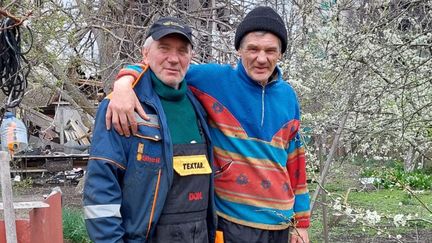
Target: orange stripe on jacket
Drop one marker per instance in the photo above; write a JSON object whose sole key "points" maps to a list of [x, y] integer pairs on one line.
{"points": [[137, 76]]}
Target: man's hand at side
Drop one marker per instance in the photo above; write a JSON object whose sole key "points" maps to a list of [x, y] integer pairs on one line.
{"points": [[299, 235], [122, 106]]}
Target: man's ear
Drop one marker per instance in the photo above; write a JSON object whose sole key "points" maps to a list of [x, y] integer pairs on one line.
{"points": [[144, 52], [238, 54], [193, 54]]}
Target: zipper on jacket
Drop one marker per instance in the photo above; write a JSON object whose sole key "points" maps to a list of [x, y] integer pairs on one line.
{"points": [[154, 138], [153, 205], [262, 105], [159, 173]]}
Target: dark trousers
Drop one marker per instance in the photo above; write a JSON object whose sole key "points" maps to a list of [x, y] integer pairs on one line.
{"points": [[192, 232], [236, 233]]}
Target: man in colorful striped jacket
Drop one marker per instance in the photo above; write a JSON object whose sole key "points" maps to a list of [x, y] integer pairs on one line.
{"points": [[254, 120]]}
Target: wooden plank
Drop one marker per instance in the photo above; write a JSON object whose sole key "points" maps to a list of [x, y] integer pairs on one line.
{"points": [[74, 135], [9, 213], [81, 125], [61, 118], [71, 134], [79, 132], [48, 134], [67, 135], [29, 171], [39, 119], [84, 136], [49, 156], [60, 103], [95, 83], [27, 205]]}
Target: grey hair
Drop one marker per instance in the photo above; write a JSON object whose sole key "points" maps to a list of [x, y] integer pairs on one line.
{"points": [[148, 42], [261, 33]]}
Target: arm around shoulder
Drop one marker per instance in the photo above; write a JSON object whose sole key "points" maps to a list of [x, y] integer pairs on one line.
{"points": [[122, 106]]}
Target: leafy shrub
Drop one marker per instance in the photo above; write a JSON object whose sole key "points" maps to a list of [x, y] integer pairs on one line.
{"points": [[396, 177], [23, 185]]}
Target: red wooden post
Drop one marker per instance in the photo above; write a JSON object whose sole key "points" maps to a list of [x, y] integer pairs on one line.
{"points": [[22, 228], [46, 223]]}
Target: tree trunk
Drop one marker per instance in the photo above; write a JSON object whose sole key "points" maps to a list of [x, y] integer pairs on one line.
{"points": [[409, 160]]}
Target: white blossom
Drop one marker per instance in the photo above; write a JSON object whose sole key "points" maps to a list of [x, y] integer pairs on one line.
{"points": [[399, 220], [372, 217]]}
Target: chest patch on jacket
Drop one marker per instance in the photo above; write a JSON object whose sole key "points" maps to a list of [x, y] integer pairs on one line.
{"points": [[191, 165], [145, 158]]}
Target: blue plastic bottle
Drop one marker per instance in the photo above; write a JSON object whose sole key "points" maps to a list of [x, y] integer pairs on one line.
{"points": [[13, 134]]}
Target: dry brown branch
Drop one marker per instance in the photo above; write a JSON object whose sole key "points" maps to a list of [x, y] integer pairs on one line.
{"points": [[18, 21], [418, 199]]}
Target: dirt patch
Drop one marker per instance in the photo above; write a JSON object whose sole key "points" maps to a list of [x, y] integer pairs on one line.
{"points": [[37, 193]]}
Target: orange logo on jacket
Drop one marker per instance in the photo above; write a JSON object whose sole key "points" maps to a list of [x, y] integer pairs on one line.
{"points": [[143, 157]]}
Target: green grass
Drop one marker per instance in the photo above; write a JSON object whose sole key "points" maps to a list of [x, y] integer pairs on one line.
{"points": [[392, 201], [385, 202], [73, 226]]}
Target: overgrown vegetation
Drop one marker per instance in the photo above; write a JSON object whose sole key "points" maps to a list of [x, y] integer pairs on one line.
{"points": [[371, 214], [73, 225], [396, 177], [24, 184]]}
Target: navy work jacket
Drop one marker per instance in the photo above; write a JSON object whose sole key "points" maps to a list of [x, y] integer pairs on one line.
{"points": [[128, 178]]}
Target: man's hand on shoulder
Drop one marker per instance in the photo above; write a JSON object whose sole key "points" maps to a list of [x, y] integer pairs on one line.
{"points": [[122, 106]]}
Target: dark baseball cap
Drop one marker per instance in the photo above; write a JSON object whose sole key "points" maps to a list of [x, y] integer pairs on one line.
{"points": [[170, 25]]}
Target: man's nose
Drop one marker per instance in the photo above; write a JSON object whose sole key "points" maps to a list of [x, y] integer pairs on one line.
{"points": [[173, 58], [261, 57]]}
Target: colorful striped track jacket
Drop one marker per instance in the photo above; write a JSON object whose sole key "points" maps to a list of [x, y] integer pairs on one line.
{"points": [[260, 178]]}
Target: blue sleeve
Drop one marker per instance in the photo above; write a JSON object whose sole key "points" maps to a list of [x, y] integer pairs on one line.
{"points": [[102, 190], [200, 74]]}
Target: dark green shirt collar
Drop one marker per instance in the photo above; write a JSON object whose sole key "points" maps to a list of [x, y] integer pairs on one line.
{"points": [[167, 92]]}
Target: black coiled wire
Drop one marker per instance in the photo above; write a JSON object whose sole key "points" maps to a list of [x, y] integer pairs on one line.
{"points": [[14, 67]]}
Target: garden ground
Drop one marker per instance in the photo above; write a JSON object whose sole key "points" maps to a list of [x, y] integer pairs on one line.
{"points": [[343, 182], [343, 178]]}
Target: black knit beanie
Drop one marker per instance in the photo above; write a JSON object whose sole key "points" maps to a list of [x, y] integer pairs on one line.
{"points": [[262, 19]]}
